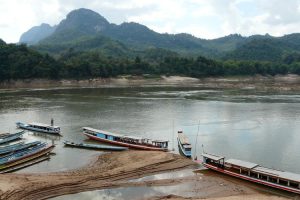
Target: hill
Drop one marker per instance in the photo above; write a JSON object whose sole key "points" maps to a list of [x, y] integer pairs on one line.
{"points": [[86, 30]]}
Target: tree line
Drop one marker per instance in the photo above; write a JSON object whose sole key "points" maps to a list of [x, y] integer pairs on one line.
{"points": [[22, 62]]}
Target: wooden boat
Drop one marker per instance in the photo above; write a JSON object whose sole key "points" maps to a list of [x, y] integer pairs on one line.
{"points": [[25, 156], [39, 127], [17, 147], [253, 172], [125, 141], [184, 145], [26, 164], [11, 137], [95, 146]]}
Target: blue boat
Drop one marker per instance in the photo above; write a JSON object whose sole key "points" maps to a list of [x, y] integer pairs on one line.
{"points": [[17, 147], [39, 127], [11, 137], [22, 153], [95, 146], [184, 145], [25, 156]]}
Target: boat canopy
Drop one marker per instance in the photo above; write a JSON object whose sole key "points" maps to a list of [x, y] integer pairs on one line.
{"points": [[212, 157], [277, 173], [240, 163], [183, 139], [42, 125], [101, 131], [123, 136]]}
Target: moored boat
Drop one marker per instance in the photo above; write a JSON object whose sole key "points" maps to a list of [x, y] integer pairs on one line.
{"points": [[95, 146], [17, 147], [39, 127], [184, 145], [125, 141], [11, 137], [25, 155], [253, 172]]}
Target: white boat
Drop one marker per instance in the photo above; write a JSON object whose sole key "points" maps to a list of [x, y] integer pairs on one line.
{"points": [[39, 127], [253, 172]]}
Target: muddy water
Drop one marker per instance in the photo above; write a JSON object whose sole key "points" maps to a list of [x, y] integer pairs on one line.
{"points": [[243, 124]]}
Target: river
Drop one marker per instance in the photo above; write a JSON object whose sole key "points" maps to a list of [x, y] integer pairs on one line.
{"points": [[244, 124]]}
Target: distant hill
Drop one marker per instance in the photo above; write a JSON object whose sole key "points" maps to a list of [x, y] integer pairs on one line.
{"points": [[36, 34], [85, 30]]}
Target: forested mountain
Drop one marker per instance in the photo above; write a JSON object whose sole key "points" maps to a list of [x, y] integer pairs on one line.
{"points": [[85, 30], [36, 34]]}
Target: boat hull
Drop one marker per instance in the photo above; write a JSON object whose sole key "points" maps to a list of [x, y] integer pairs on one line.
{"points": [[182, 151], [262, 182], [96, 147], [134, 146]]}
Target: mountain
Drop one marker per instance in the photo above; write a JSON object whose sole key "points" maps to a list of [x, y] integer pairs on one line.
{"points": [[85, 30], [36, 34]]}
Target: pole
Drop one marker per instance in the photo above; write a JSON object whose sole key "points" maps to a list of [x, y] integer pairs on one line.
{"points": [[195, 157], [173, 149]]}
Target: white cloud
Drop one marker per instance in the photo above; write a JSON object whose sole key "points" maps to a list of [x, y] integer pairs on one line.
{"points": [[202, 18]]}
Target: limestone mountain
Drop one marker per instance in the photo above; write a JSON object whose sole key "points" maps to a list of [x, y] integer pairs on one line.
{"points": [[36, 34]]}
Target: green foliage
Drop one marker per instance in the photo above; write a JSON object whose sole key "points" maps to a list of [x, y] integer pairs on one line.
{"points": [[21, 62]]}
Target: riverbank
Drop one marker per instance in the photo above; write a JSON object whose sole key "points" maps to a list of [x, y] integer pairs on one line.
{"points": [[126, 169], [261, 83]]}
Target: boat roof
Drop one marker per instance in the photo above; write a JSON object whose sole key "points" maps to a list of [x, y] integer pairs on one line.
{"points": [[43, 125], [102, 131], [183, 139], [213, 157], [277, 173], [119, 135], [241, 163]]}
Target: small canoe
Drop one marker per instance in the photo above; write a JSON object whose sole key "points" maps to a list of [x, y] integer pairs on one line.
{"points": [[95, 146], [11, 137]]}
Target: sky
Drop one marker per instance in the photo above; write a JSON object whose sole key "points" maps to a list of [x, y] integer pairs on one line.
{"points": [[206, 19]]}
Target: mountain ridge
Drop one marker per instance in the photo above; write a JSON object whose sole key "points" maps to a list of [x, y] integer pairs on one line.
{"points": [[82, 23]]}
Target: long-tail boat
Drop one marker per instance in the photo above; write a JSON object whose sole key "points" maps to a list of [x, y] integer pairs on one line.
{"points": [[253, 172], [125, 141], [17, 147], [184, 145], [25, 155], [11, 137], [39, 127], [94, 146]]}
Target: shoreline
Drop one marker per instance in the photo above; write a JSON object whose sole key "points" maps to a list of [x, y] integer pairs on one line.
{"points": [[127, 169], [261, 83]]}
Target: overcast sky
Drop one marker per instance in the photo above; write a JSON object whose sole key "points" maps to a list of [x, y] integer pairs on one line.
{"points": [[202, 18]]}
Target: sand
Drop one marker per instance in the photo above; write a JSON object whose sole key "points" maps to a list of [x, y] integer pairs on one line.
{"points": [[259, 83], [113, 170]]}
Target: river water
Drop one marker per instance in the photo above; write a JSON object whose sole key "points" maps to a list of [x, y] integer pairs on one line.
{"points": [[244, 124]]}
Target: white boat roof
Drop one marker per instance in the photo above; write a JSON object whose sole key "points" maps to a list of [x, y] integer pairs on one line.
{"points": [[43, 125], [277, 173], [102, 131], [242, 163], [183, 139], [213, 157], [119, 135]]}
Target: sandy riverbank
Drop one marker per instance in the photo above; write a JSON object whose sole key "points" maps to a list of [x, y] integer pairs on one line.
{"points": [[264, 83], [114, 170]]}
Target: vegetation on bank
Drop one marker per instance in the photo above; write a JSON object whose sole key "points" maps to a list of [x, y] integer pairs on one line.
{"points": [[21, 62]]}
